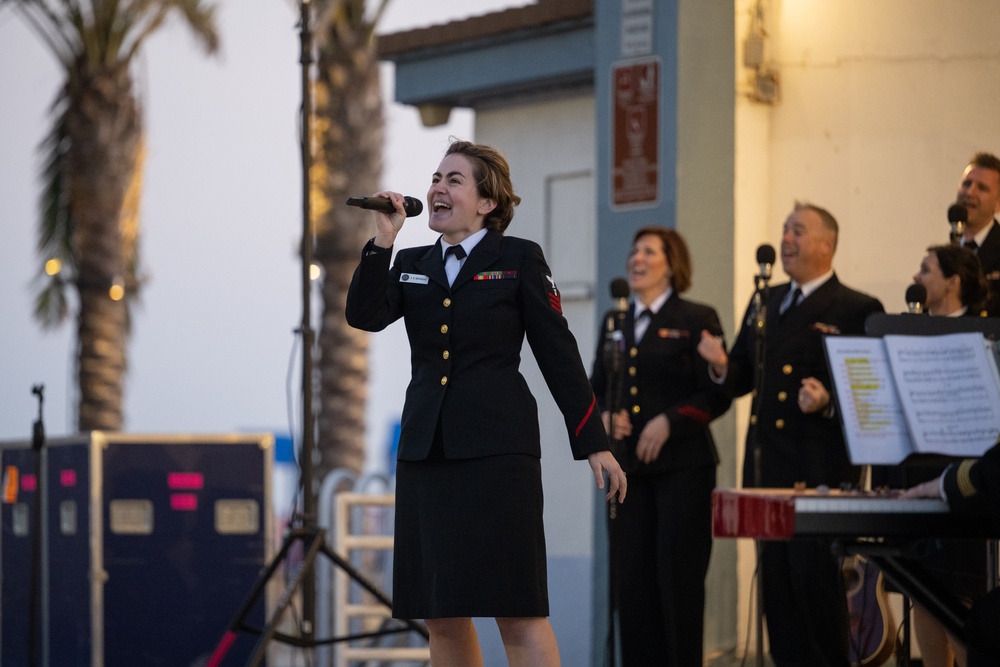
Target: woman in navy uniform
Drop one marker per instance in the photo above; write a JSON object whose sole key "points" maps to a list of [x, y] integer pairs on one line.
{"points": [[956, 287], [469, 533], [662, 539]]}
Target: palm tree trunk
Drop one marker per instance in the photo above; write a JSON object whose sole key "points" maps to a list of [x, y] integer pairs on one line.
{"points": [[103, 125], [350, 128]]}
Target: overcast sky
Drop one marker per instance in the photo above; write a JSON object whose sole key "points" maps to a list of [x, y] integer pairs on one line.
{"points": [[212, 344]]}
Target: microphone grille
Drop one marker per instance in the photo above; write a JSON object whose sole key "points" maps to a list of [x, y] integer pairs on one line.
{"points": [[916, 294], [412, 206], [765, 254], [957, 213], [619, 288]]}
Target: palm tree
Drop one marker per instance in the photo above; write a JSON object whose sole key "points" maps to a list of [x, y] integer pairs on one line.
{"points": [[349, 133], [93, 160]]}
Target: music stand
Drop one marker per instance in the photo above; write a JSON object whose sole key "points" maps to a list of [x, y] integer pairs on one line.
{"points": [[306, 532], [896, 563]]}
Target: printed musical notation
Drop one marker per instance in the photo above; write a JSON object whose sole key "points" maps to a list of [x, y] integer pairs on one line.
{"points": [[903, 394]]}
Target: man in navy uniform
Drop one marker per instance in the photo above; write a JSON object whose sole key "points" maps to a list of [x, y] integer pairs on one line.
{"points": [[979, 193], [795, 433]]}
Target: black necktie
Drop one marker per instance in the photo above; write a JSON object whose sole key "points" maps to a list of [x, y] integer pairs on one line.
{"points": [[456, 250], [642, 321], [790, 305], [971, 245]]}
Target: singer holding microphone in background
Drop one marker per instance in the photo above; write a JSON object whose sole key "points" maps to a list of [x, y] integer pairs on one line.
{"points": [[796, 433], [662, 538], [979, 194], [468, 531]]}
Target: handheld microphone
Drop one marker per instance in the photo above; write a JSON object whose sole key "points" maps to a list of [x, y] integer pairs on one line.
{"points": [[958, 215], [916, 297], [411, 205], [765, 258]]}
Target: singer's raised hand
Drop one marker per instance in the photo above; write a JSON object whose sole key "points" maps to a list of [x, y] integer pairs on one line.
{"points": [[813, 396], [711, 349], [389, 224]]}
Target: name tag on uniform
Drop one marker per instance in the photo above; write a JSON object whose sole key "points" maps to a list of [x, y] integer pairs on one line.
{"points": [[416, 278]]}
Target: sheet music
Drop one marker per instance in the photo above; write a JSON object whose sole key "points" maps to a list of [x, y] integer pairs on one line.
{"points": [[903, 394], [949, 389], [870, 410]]}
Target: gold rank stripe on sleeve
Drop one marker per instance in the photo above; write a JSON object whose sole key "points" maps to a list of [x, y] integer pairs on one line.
{"points": [[965, 485], [495, 275]]}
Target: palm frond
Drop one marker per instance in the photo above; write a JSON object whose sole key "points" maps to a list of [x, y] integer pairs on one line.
{"points": [[55, 228], [51, 307], [199, 16], [53, 29]]}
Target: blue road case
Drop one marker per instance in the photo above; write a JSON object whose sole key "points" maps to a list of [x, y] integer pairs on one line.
{"points": [[148, 545]]}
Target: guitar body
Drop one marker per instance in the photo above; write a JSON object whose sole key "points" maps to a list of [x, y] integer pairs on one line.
{"points": [[873, 637]]}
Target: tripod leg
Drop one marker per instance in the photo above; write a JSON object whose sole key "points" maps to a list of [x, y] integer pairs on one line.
{"points": [[353, 573], [315, 541], [219, 654]]}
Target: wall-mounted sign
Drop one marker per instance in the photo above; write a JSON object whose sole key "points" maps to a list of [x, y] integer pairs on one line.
{"points": [[635, 140], [637, 28]]}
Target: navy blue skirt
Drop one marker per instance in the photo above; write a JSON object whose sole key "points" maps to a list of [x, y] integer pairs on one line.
{"points": [[469, 538]]}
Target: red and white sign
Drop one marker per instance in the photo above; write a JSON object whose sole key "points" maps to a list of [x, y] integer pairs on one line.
{"points": [[635, 141]]}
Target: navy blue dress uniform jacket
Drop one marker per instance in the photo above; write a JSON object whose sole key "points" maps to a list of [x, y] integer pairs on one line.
{"points": [[465, 347], [973, 486], [664, 374], [797, 447], [989, 261]]}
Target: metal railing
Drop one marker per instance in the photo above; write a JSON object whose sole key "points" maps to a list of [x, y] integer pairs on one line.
{"points": [[359, 523]]}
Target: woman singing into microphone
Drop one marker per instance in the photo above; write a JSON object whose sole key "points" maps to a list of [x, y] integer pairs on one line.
{"points": [[469, 534]]}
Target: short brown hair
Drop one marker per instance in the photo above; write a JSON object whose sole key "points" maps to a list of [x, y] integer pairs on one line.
{"points": [[986, 161], [492, 174], [677, 254]]}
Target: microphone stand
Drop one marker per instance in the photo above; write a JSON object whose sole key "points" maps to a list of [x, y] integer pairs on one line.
{"points": [[759, 318], [37, 445], [614, 352], [956, 233], [304, 531]]}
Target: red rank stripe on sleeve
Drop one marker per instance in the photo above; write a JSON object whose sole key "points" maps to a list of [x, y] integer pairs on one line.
{"points": [[694, 413], [555, 302], [586, 417]]}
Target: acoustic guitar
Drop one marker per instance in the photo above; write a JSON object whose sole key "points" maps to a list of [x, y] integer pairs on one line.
{"points": [[873, 632]]}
